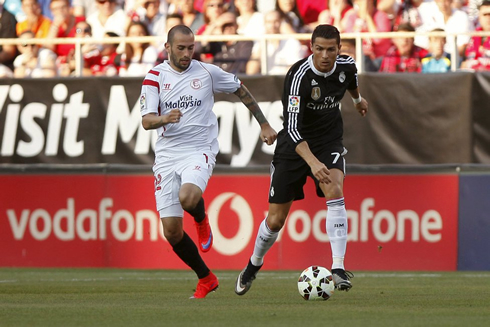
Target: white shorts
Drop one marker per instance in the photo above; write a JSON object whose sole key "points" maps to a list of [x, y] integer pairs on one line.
{"points": [[172, 171]]}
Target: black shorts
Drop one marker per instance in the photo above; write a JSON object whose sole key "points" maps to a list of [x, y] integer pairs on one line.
{"points": [[288, 176]]}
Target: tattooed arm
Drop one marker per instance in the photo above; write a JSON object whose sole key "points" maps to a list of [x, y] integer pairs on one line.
{"points": [[267, 134]]}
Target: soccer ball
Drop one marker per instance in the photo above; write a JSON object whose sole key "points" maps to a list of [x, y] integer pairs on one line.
{"points": [[316, 283]]}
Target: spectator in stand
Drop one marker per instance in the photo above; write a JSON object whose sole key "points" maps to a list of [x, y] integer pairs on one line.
{"points": [[437, 61], [46, 8], [264, 6], [148, 12], [109, 17], [369, 19], [7, 51], [83, 8], [407, 12], [281, 54], [249, 20], [292, 20], [443, 15], [404, 56], [154, 19], [460, 5], [340, 13], [35, 21], [231, 56], [192, 18], [348, 47], [15, 8], [212, 10], [477, 54], [104, 62], [473, 10], [171, 21], [310, 9], [34, 61], [63, 25], [139, 57], [68, 67]]}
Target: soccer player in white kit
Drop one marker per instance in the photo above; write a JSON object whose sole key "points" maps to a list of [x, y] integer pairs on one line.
{"points": [[177, 99]]}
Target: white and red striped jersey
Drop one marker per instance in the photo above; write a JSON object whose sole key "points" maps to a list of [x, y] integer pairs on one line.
{"points": [[191, 91]]}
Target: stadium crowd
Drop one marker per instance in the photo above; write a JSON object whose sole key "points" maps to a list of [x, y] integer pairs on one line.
{"points": [[118, 18]]}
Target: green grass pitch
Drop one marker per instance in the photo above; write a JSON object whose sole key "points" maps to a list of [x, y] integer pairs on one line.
{"points": [[114, 297]]}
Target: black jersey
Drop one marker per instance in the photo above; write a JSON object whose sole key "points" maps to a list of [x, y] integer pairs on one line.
{"points": [[311, 104]]}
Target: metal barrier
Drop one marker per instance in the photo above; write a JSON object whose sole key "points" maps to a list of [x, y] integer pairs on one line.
{"points": [[263, 39]]}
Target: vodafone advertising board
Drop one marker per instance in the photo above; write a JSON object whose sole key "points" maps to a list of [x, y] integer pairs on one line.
{"points": [[396, 222]]}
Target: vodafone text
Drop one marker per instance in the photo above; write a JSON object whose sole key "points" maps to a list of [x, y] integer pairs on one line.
{"points": [[43, 125], [366, 224]]}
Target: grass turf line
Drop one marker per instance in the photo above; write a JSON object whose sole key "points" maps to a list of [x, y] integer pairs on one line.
{"points": [[113, 297]]}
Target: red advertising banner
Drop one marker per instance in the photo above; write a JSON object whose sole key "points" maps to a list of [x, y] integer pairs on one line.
{"points": [[396, 222]]}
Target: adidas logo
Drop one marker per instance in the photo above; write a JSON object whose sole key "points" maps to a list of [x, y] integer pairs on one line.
{"points": [[313, 82]]}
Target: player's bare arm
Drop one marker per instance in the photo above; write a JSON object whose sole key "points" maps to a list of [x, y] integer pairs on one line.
{"points": [[154, 121], [359, 102], [268, 135], [318, 169]]}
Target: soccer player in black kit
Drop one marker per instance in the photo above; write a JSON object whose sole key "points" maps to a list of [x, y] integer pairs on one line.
{"points": [[310, 144]]}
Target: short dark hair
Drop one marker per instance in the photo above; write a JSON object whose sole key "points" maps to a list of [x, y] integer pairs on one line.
{"points": [[112, 34], [178, 29], [484, 3], [405, 27], [175, 15], [327, 32]]}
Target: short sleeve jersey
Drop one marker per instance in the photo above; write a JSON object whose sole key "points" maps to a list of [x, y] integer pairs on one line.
{"points": [[192, 92], [311, 104]]}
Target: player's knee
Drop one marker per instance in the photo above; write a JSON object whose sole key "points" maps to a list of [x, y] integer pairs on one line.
{"points": [[275, 222], [173, 236], [334, 191], [189, 200], [189, 197]]}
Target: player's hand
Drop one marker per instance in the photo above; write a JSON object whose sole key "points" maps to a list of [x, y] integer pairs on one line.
{"points": [[268, 135], [362, 107], [173, 117], [321, 172]]}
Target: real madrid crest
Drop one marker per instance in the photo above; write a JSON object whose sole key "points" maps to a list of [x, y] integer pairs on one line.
{"points": [[315, 93], [342, 77]]}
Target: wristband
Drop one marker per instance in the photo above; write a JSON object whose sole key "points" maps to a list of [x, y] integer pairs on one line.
{"points": [[357, 100]]}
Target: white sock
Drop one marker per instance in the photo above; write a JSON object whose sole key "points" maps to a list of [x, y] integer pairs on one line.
{"points": [[337, 231], [264, 241]]}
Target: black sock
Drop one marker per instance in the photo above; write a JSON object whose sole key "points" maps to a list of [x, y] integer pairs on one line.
{"points": [[187, 252], [199, 213]]}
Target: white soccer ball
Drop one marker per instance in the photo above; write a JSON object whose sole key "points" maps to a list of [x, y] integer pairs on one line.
{"points": [[316, 283]]}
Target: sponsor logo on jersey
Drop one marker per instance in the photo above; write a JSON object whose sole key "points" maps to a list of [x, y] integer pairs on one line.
{"points": [[329, 102], [342, 77], [313, 82], [143, 101], [166, 87], [316, 93], [184, 102], [293, 105], [196, 84]]}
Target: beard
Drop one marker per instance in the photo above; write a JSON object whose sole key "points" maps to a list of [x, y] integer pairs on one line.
{"points": [[176, 62]]}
